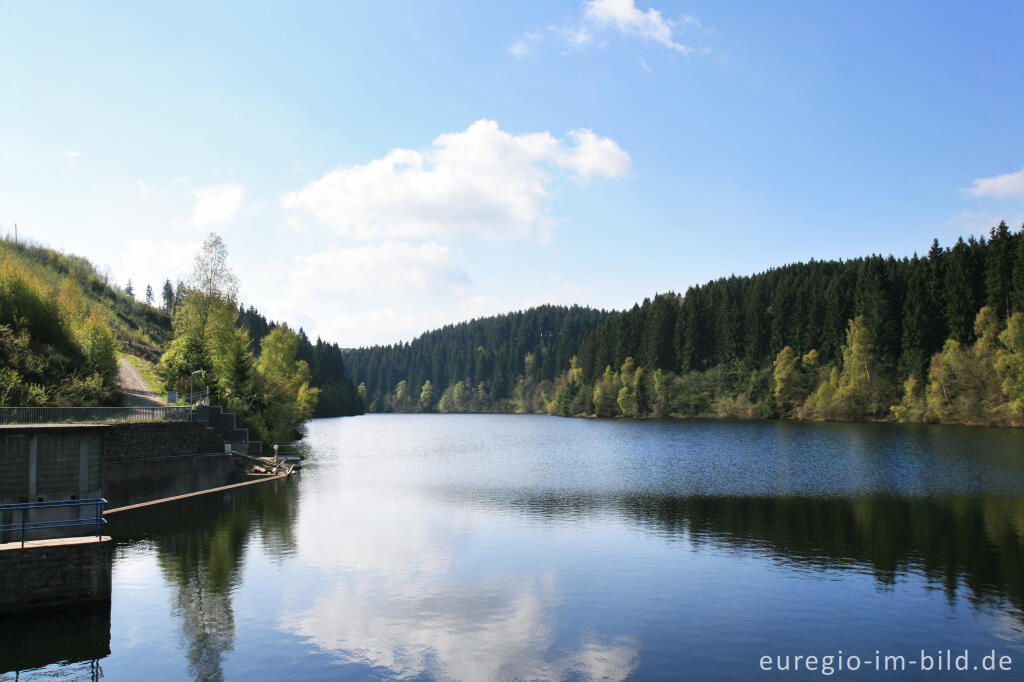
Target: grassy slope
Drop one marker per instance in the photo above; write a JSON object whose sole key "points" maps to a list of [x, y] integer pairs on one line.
{"points": [[141, 330]]}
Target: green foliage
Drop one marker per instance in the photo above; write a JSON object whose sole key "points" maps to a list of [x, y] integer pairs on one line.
{"points": [[976, 384], [25, 302], [285, 396], [912, 407], [816, 340], [79, 289], [97, 343], [46, 358], [789, 382], [1010, 364], [339, 395], [515, 356], [271, 395], [863, 387], [661, 391], [606, 394], [426, 402]]}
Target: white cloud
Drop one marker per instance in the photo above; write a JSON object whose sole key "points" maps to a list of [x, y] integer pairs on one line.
{"points": [[519, 49], [143, 189], [980, 222], [578, 36], [591, 155], [72, 154], [400, 266], [522, 47], [1005, 186], [145, 261], [217, 205], [621, 15], [625, 16], [372, 293], [481, 181]]}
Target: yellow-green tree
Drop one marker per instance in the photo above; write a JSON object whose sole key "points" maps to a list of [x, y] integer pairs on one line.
{"points": [[98, 346], [1010, 365], [912, 407], [964, 385], [427, 396], [288, 400], [788, 381], [606, 394], [661, 393], [862, 388]]}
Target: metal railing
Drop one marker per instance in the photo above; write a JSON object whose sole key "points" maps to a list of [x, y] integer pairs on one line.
{"points": [[25, 526], [289, 451], [196, 398], [105, 415]]}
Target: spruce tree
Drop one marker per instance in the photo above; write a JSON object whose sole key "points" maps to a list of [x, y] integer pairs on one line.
{"points": [[168, 295]]}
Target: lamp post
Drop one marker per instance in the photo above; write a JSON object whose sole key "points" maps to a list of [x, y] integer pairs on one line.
{"points": [[190, 386]]}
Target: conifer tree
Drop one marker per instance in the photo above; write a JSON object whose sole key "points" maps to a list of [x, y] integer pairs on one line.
{"points": [[167, 295]]}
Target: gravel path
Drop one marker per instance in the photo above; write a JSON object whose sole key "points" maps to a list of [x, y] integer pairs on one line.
{"points": [[136, 391]]}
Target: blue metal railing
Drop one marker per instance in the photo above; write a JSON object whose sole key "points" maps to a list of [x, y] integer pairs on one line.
{"points": [[25, 507]]}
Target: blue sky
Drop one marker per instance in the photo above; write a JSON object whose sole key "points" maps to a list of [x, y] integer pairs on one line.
{"points": [[380, 169]]}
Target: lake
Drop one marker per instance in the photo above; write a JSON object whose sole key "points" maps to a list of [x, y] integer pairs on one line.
{"points": [[477, 547]]}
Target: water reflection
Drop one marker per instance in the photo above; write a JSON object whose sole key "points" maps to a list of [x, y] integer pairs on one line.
{"points": [[201, 544], [958, 542], [480, 547], [77, 637], [398, 597], [484, 631]]}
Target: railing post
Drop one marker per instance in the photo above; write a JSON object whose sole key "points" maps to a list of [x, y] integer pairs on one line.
{"points": [[24, 512]]}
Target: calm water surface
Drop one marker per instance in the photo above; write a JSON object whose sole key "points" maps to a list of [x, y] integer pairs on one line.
{"points": [[477, 547]]}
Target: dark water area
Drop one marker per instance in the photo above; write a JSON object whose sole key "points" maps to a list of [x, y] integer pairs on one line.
{"points": [[477, 547]]}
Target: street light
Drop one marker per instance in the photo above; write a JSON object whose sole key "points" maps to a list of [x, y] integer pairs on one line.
{"points": [[190, 386]]}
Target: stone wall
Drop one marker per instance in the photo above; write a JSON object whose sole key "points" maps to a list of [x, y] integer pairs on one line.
{"points": [[130, 482], [151, 440], [54, 573]]}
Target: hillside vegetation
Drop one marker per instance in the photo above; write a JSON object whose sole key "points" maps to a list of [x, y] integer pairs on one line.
{"points": [[60, 329], [934, 338], [62, 326]]}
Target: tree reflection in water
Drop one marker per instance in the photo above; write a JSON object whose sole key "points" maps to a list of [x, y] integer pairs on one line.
{"points": [[201, 544], [975, 543]]}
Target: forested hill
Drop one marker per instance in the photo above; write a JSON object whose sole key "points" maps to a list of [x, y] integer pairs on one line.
{"points": [[338, 394], [910, 306], [62, 324], [485, 356], [932, 336]]}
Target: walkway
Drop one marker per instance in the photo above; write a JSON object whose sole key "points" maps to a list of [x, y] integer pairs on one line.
{"points": [[137, 392]]}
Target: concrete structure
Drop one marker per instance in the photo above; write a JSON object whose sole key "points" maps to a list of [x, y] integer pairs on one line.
{"points": [[126, 463], [141, 480], [52, 462], [48, 463], [52, 573]]}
